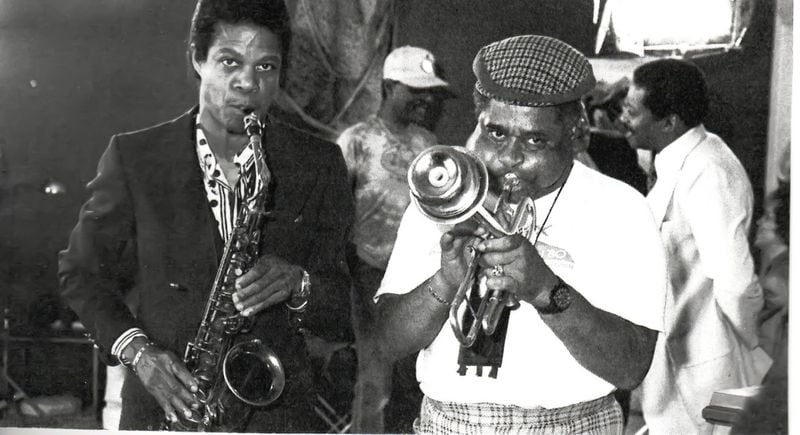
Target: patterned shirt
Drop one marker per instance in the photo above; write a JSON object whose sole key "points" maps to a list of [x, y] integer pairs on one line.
{"points": [[223, 198], [378, 161]]}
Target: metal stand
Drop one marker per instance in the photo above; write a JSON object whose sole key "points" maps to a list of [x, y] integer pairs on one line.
{"points": [[17, 393]]}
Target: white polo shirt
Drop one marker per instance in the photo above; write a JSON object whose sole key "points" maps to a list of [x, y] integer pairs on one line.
{"points": [[601, 239]]}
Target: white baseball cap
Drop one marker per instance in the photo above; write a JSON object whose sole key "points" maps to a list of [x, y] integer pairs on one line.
{"points": [[412, 66]]}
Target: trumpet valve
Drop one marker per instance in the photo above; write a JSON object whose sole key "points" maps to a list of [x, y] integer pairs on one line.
{"points": [[494, 308], [512, 301]]}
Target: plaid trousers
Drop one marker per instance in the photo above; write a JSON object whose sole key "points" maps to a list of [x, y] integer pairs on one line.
{"points": [[601, 416]]}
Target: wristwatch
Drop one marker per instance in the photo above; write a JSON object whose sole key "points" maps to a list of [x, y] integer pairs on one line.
{"points": [[299, 298], [560, 299]]}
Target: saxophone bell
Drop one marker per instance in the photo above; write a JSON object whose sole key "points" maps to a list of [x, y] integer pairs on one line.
{"points": [[253, 373], [450, 185]]}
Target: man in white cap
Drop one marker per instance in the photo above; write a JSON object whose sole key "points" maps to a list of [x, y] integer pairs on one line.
{"points": [[378, 152], [590, 276]]}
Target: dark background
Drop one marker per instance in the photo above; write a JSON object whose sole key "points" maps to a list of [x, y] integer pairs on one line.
{"points": [[74, 72], [454, 31]]}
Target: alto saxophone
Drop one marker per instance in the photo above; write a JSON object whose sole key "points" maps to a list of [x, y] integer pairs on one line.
{"points": [[233, 377]]}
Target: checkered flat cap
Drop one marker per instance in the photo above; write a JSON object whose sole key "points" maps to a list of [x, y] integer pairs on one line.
{"points": [[532, 70]]}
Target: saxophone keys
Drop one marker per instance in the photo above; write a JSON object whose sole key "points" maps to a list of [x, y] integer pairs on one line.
{"points": [[219, 325], [204, 377]]}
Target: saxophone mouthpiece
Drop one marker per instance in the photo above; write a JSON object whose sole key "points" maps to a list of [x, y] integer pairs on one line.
{"points": [[252, 125], [511, 182]]}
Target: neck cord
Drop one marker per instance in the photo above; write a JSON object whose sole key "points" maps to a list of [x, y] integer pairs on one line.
{"points": [[558, 193]]}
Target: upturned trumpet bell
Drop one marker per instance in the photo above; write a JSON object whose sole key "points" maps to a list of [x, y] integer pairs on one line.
{"points": [[450, 185], [447, 183]]}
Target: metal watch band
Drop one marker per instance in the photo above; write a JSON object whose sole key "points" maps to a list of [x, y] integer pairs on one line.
{"points": [[299, 298]]}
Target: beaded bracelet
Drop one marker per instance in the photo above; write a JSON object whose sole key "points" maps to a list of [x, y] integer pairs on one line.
{"points": [[138, 356], [435, 296]]}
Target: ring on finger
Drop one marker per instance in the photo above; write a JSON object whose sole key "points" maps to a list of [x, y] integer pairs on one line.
{"points": [[498, 270]]}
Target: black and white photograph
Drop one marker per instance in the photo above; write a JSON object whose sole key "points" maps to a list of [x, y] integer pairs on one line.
{"points": [[396, 216]]}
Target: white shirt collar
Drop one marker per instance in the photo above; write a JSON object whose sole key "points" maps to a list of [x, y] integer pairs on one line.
{"points": [[670, 159]]}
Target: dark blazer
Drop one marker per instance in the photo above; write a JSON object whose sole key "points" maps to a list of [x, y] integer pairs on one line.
{"points": [[146, 248]]}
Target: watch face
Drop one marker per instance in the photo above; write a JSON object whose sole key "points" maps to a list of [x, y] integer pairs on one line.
{"points": [[561, 297]]}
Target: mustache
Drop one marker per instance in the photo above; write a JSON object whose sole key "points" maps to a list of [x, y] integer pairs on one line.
{"points": [[245, 106]]}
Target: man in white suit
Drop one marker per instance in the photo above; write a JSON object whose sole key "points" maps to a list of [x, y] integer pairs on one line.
{"points": [[702, 201]]}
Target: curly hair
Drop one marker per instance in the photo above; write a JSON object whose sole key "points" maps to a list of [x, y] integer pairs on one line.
{"points": [[674, 86], [271, 14]]}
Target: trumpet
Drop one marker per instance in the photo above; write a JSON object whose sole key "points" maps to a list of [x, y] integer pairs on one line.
{"points": [[450, 185]]}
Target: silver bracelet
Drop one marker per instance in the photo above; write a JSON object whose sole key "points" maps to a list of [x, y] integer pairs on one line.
{"points": [[300, 308], [435, 296], [302, 293], [138, 356]]}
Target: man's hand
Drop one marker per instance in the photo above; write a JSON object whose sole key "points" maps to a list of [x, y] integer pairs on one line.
{"points": [[456, 252], [167, 379], [524, 272], [270, 281]]}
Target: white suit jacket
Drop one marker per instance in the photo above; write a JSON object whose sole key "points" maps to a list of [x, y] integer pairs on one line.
{"points": [[702, 202]]}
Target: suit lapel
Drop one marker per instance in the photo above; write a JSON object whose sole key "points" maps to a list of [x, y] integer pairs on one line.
{"points": [[192, 225], [295, 176], [660, 197]]}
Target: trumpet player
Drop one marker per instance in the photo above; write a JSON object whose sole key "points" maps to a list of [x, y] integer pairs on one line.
{"points": [[589, 276], [164, 204]]}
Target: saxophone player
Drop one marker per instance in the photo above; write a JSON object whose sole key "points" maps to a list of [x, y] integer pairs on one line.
{"points": [[164, 203]]}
